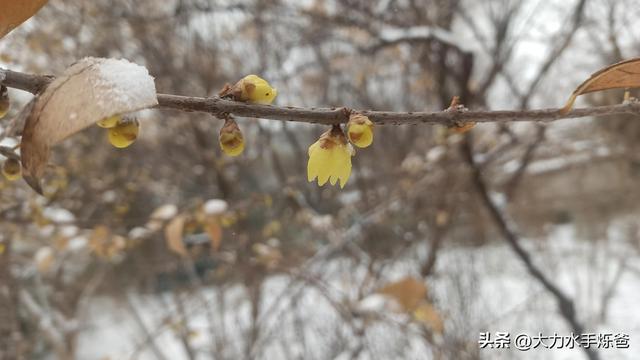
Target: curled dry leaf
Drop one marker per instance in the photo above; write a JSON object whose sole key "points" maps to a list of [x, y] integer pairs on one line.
{"points": [[14, 13], [625, 74], [214, 230], [173, 235], [88, 91]]}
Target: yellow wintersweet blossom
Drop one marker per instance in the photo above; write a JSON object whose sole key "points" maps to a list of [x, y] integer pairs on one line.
{"points": [[330, 158], [5, 102], [251, 88], [11, 169], [231, 139], [124, 133], [360, 130]]}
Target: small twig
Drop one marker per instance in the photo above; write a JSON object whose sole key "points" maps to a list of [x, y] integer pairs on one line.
{"points": [[512, 184]]}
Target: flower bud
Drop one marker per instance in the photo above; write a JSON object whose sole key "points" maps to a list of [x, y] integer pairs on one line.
{"points": [[231, 139], [360, 130]]}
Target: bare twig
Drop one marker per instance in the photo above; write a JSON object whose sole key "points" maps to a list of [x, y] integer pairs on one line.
{"points": [[328, 116], [512, 184]]}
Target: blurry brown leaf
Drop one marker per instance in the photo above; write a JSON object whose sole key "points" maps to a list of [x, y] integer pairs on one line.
{"points": [[408, 292], [14, 13], [429, 316], [173, 235], [625, 74], [214, 230], [88, 91]]}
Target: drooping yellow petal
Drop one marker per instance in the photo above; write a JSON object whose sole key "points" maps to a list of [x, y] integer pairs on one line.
{"points": [[323, 158]]}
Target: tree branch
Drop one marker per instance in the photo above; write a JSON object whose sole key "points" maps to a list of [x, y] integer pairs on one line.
{"points": [[565, 304], [328, 116]]}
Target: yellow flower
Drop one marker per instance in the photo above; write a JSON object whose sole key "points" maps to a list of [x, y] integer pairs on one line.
{"points": [[11, 169], [231, 139], [251, 88], [108, 123], [124, 133], [257, 90], [330, 158], [360, 130], [5, 102]]}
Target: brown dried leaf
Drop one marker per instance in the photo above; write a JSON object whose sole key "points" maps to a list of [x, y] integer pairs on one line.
{"points": [[14, 13], [88, 91], [408, 292], [173, 234], [625, 74], [214, 230]]}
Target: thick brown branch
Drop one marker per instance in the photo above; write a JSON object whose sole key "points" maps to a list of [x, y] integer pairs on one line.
{"points": [[215, 106]]}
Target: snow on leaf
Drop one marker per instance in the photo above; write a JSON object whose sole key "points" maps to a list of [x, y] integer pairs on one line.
{"points": [[164, 212], [88, 91], [625, 74], [14, 13], [160, 216], [215, 207]]}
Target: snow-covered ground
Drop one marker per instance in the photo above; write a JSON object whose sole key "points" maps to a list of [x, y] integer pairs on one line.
{"points": [[481, 289]]}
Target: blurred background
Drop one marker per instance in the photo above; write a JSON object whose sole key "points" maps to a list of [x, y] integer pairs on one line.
{"points": [[170, 250]]}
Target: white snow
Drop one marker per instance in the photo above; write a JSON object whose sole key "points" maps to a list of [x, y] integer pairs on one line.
{"points": [[481, 289], [127, 84], [215, 207]]}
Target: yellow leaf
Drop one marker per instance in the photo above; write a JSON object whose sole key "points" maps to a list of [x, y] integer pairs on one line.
{"points": [[408, 292], [173, 235], [625, 74], [16, 12]]}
